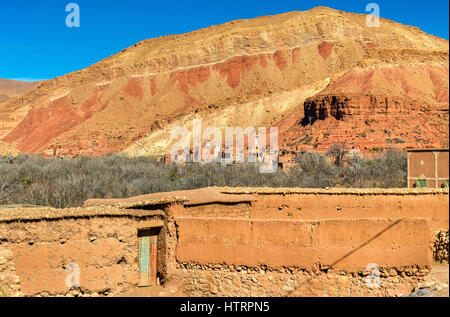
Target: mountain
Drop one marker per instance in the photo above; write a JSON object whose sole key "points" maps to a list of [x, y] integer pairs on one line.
{"points": [[14, 88], [10, 89], [322, 76]]}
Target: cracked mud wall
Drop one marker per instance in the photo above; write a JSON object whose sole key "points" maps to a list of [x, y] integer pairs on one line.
{"points": [[348, 245], [309, 244], [104, 248], [241, 257]]}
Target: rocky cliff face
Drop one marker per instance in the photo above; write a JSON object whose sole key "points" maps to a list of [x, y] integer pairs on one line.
{"points": [[321, 107], [374, 109], [245, 73]]}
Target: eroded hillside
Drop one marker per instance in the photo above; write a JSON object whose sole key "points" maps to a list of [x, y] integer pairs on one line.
{"points": [[255, 73]]}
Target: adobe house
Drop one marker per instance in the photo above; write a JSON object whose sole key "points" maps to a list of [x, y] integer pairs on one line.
{"points": [[101, 249], [287, 159], [224, 242], [428, 168]]}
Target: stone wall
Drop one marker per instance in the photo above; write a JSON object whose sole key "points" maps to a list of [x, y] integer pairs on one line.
{"points": [[9, 280], [242, 281], [440, 249]]}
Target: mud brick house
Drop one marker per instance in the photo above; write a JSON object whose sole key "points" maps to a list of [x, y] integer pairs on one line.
{"points": [[428, 168], [287, 159], [226, 242]]}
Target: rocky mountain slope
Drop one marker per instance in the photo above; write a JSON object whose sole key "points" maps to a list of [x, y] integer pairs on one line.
{"points": [[11, 89], [259, 73]]}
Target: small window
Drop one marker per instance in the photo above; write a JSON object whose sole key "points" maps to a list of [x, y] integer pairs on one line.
{"points": [[446, 183], [421, 183]]}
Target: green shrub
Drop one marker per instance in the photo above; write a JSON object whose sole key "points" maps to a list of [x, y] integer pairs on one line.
{"points": [[26, 181]]}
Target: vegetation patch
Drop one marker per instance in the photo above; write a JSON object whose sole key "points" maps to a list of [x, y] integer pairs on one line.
{"points": [[64, 182]]}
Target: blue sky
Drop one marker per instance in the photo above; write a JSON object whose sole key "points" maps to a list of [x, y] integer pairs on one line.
{"points": [[35, 42]]}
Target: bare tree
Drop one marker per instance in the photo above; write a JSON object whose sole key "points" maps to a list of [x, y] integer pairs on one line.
{"points": [[338, 151]]}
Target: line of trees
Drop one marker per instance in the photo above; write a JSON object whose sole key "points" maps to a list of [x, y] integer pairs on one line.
{"points": [[64, 182]]}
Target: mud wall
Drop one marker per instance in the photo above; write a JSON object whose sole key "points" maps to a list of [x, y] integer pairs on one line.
{"points": [[37, 253], [348, 245], [319, 206], [274, 242], [309, 243], [304, 204]]}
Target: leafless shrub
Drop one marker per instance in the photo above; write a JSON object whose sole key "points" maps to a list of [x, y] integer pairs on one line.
{"points": [[338, 151], [69, 182]]}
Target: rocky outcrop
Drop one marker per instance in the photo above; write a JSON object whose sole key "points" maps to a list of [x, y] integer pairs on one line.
{"points": [[321, 107], [377, 108]]}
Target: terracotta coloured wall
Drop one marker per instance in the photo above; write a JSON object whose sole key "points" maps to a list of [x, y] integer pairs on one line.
{"points": [[308, 244], [291, 233], [426, 169], [317, 205], [346, 244], [443, 167], [349, 206]]}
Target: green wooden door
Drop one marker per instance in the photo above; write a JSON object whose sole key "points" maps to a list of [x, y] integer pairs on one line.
{"points": [[148, 253], [144, 261]]}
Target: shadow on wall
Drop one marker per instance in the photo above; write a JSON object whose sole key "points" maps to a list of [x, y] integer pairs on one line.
{"points": [[367, 242]]}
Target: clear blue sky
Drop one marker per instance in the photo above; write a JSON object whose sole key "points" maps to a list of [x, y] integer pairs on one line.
{"points": [[36, 44]]}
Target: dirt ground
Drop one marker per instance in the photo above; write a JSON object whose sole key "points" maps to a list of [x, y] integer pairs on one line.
{"points": [[154, 291], [440, 274]]}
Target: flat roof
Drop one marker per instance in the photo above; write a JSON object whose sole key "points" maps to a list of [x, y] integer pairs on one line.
{"points": [[332, 191], [202, 196], [20, 214]]}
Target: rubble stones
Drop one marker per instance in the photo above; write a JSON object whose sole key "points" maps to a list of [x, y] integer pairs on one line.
{"points": [[228, 281], [9, 281], [440, 249]]}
